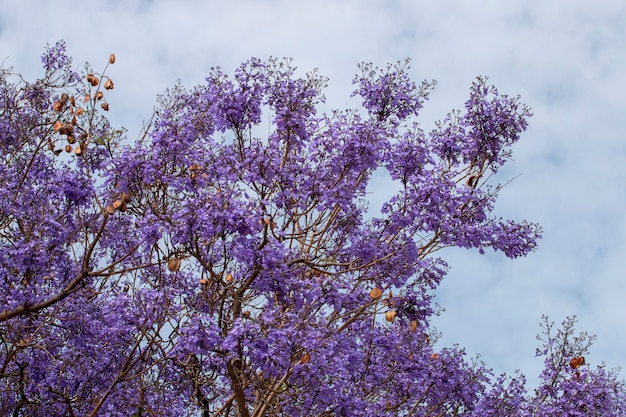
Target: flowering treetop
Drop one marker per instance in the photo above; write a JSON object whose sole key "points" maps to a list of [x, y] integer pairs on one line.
{"points": [[224, 264]]}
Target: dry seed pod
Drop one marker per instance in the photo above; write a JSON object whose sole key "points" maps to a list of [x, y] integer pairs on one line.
{"points": [[204, 281], [71, 139], [86, 98], [575, 363], [57, 106], [93, 80], [78, 150], [123, 207], [57, 125], [66, 130], [105, 106], [173, 264], [117, 204], [434, 355], [109, 209], [472, 181], [79, 111], [390, 316], [375, 293], [64, 98], [305, 358], [98, 96], [73, 101], [108, 85], [413, 325], [112, 59], [246, 313], [68, 148], [229, 277]]}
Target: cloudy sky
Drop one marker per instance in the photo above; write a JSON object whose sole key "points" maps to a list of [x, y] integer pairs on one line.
{"points": [[566, 58]]}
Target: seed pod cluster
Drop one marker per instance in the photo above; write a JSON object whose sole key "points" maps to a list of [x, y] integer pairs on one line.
{"points": [[94, 81], [119, 204], [67, 124]]}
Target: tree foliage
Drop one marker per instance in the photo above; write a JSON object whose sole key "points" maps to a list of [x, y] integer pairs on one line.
{"points": [[226, 263]]}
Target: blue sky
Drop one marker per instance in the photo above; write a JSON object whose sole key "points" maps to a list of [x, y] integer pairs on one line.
{"points": [[567, 59]]}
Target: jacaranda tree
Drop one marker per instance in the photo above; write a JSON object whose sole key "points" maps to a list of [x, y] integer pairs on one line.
{"points": [[226, 262]]}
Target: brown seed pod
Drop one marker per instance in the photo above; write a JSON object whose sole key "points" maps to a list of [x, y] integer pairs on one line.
{"points": [[173, 264], [576, 363], [68, 148], [117, 204], [472, 181], [413, 325], [78, 150], [98, 96], [57, 125], [108, 85], [375, 293], [305, 358], [229, 277], [71, 139], [93, 80], [434, 355], [390, 316], [66, 130], [86, 98], [57, 106], [105, 106], [204, 281], [123, 207], [73, 101], [64, 98], [112, 59], [109, 209], [79, 111]]}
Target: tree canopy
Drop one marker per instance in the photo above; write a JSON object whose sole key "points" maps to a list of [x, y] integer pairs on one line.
{"points": [[226, 262]]}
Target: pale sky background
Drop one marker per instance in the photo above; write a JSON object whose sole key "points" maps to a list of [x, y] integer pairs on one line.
{"points": [[566, 58]]}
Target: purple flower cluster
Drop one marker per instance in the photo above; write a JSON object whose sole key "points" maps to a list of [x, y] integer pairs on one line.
{"points": [[226, 264]]}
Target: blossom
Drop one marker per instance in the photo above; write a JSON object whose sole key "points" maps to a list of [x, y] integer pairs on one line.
{"points": [[219, 263]]}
